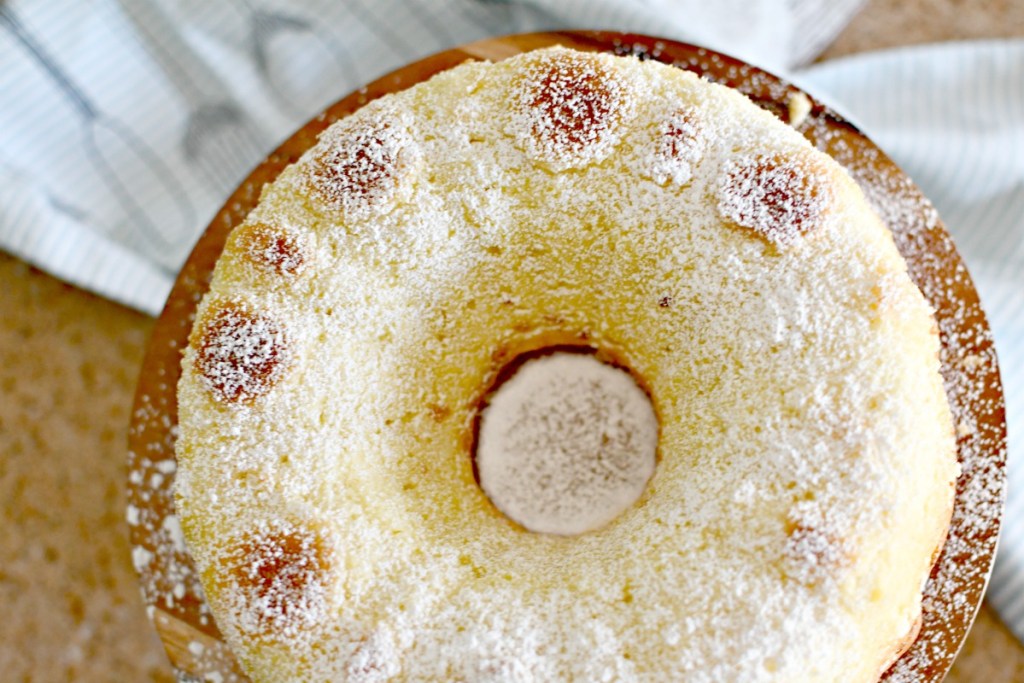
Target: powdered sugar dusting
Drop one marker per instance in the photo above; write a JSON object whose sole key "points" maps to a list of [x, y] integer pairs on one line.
{"points": [[814, 547], [278, 579], [953, 593], [374, 660], [470, 600], [566, 444], [361, 168], [780, 198], [241, 354], [679, 149], [275, 250], [568, 106], [407, 312]]}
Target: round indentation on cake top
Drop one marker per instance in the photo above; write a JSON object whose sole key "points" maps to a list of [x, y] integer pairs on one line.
{"points": [[279, 575], [273, 249], [358, 168], [678, 149], [568, 108], [566, 443], [782, 198], [241, 354], [375, 658], [813, 548]]}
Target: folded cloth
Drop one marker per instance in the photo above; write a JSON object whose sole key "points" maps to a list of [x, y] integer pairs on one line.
{"points": [[124, 125]]}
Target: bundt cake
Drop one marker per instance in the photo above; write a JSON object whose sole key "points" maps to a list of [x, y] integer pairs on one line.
{"points": [[568, 367]]}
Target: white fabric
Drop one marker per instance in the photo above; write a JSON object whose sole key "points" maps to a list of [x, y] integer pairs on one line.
{"points": [[124, 124]]}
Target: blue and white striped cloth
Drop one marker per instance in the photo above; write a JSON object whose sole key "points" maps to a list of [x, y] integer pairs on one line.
{"points": [[125, 123]]}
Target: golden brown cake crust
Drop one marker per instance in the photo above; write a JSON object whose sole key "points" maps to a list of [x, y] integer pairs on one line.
{"points": [[487, 207]]}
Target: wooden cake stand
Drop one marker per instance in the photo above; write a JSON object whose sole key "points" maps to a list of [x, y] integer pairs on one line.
{"points": [[170, 584]]}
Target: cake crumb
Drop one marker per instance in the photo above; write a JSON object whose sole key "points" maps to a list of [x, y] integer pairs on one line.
{"points": [[799, 107]]}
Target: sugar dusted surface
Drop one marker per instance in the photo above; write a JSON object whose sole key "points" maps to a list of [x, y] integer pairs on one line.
{"points": [[274, 249], [566, 444], [708, 316], [780, 198], [276, 578], [567, 109], [240, 354], [360, 168], [677, 150]]}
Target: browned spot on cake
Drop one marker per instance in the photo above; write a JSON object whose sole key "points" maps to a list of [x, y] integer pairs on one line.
{"points": [[502, 669], [281, 571], [813, 549], [373, 659], [439, 412], [273, 249], [360, 167], [781, 198], [569, 106], [241, 354], [679, 148]]}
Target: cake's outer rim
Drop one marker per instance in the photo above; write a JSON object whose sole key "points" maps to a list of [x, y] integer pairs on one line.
{"points": [[169, 582]]}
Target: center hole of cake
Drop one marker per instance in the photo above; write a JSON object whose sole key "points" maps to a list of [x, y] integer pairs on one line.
{"points": [[566, 443]]}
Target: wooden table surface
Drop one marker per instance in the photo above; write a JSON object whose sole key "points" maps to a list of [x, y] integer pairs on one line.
{"points": [[68, 365]]}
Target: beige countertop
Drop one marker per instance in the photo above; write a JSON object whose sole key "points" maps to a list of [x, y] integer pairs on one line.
{"points": [[68, 364]]}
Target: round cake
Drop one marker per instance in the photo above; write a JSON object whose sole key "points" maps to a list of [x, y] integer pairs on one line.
{"points": [[568, 367]]}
